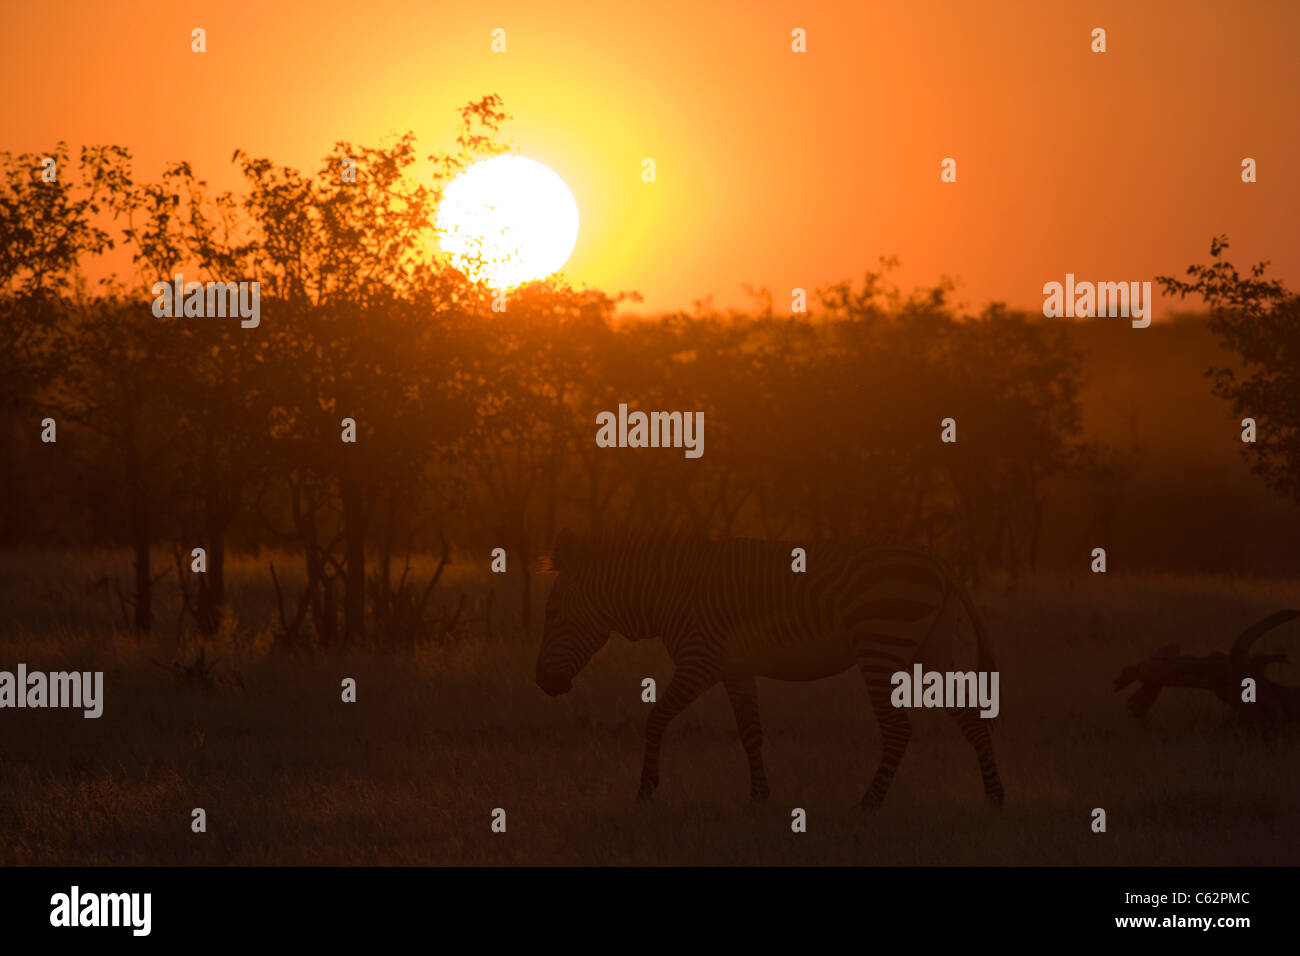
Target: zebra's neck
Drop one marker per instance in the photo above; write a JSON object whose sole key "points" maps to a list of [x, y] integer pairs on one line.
{"points": [[646, 583]]}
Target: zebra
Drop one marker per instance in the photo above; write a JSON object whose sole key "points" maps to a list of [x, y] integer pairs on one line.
{"points": [[730, 612]]}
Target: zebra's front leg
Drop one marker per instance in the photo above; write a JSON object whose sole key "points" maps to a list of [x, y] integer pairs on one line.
{"points": [[691, 678], [743, 693]]}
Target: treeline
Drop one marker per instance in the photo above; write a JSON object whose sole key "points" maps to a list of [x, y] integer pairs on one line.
{"points": [[475, 429]]}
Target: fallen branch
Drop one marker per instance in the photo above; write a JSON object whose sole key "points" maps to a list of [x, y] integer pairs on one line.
{"points": [[1221, 674]]}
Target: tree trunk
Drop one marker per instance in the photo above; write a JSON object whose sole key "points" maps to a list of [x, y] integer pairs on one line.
{"points": [[143, 574], [327, 628], [354, 533], [525, 574], [140, 532], [212, 585]]}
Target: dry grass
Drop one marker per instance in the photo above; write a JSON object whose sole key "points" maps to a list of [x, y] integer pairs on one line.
{"points": [[440, 736]]}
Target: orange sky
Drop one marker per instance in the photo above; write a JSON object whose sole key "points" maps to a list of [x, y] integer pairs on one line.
{"points": [[774, 168]]}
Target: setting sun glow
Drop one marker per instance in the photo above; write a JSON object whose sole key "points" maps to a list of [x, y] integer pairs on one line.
{"points": [[508, 220]]}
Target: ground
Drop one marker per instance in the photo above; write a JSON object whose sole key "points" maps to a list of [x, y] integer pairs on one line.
{"points": [[442, 735]]}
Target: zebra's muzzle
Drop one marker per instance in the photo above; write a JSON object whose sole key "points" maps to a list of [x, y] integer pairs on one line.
{"points": [[553, 684]]}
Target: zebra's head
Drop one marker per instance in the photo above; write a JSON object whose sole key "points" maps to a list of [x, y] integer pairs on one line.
{"points": [[574, 629]]}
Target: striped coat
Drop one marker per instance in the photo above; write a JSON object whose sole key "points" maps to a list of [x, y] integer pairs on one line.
{"points": [[730, 612]]}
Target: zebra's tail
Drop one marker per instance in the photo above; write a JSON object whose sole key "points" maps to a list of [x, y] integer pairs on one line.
{"points": [[985, 649]]}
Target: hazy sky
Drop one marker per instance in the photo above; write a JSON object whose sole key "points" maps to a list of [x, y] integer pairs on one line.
{"points": [[774, 168]]}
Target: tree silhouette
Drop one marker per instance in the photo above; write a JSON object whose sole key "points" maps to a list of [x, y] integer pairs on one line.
{"points": [[475, 428], [1259, 320]]}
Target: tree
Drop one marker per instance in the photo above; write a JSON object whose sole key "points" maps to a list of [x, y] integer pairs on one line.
{"points": [[1259, 320]]}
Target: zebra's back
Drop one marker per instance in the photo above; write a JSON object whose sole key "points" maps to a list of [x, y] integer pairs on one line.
{"points": [[855, 603]]}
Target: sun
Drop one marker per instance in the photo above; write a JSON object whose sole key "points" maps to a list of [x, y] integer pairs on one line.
{"points": [[507, 220]]}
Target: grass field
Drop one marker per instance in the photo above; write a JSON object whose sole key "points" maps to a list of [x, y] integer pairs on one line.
{"points": [[442, 735]]}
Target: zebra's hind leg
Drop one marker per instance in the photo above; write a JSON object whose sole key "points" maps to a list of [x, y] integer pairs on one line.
{"points": [[743, 694], [691, 678], [976, 731], [895, 728]]}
